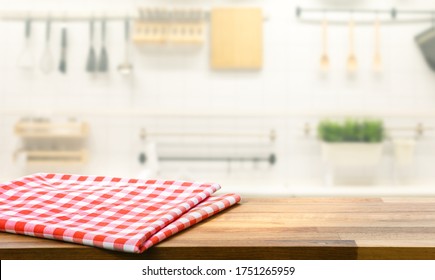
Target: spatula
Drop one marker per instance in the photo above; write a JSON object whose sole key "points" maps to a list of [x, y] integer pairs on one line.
{"points": [[103, 63], [92, 58]]}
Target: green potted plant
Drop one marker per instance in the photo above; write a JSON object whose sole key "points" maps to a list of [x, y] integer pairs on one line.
{"points": [[352, 141]]}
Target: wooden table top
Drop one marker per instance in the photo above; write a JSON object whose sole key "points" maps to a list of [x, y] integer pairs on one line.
{"points": [[277, 228]]}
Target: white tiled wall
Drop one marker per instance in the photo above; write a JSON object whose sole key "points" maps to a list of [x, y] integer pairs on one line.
{"points": [[280, 96]]}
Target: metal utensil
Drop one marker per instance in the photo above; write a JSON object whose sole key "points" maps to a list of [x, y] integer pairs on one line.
{"points": [[103, 62], [142, 154], [324, 59], [91, 62], [352, 62], [426, 41], [47, 61], [25, 60], [126, 67], [62, 63]]}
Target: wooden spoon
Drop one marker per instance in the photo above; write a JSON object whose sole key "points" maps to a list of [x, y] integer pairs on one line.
{"points": [[352, 62], [377, 59], [324, 59]]}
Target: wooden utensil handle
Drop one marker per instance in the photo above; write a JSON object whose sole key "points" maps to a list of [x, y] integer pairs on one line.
{"points": [[351, 36], [325, 35]]}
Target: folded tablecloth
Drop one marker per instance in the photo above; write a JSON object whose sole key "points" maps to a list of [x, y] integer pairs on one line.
{"points": [[122, 214]]}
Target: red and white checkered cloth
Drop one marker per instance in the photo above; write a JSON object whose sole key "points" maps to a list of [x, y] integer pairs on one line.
{"points": [[120, 214]]}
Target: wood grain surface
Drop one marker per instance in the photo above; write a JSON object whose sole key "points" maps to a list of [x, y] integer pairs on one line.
{"points": [[277, 228], [236, 38]]}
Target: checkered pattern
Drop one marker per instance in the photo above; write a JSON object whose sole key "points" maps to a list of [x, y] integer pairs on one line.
{"points": [[120, 214]]}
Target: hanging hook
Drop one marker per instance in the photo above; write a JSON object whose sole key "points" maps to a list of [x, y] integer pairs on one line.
{"points": [[393, 13], [28, 27], [419, 130], [142, 134], [298, 12], [48, 27], [325, 15], [272, 135]]}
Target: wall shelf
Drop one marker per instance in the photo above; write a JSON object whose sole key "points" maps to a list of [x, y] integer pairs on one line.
{"points": [[49, 142], [29, 129], [56, 157]]}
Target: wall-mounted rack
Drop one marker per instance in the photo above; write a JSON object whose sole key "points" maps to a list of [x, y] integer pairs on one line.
{"points": [[68, 16], [271, 134], [392, 14], [56, 157], [271, 159], [171, 113], [45, 141], [162, 26], [48, 129], [65, 16]]}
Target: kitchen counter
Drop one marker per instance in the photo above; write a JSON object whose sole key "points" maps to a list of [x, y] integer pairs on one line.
{"points": [[277, 228]]}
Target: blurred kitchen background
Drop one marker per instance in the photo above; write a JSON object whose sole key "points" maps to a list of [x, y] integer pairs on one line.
{"points": [[309, 97]]}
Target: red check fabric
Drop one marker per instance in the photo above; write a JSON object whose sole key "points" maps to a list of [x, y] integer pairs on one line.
{"points": [[121, 214]]}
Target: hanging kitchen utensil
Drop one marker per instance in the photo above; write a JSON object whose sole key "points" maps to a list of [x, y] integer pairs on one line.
{"points": [[91, 62], [142, 155], [47, 60], [103, 62], [352, 62], [62, 63], [426, 42], [126, 67], [25, 60], [377, 58], [324, 59], [148, 158]]}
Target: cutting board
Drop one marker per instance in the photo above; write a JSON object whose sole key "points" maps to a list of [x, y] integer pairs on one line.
{"points": [[236, 38]]}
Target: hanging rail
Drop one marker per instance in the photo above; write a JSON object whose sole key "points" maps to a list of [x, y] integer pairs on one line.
{"points": [[139, 14], [271, 159], [67, 16], [271, 134], [300, 11], [151, 14], [393, 13]]}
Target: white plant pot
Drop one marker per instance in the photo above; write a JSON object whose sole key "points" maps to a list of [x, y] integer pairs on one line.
{"points": [[351, 154]]}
